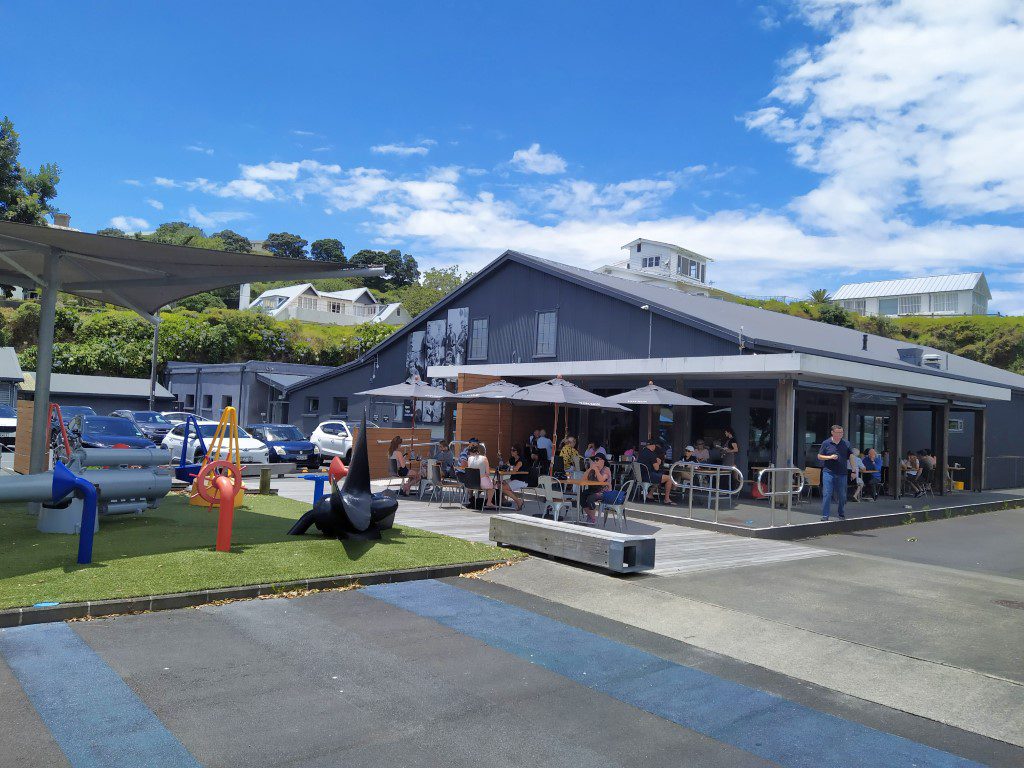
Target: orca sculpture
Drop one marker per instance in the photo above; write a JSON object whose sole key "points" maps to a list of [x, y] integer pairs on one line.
{"points": [[352, 512]]}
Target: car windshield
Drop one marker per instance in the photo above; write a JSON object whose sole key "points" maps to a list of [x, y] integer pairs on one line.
{"points": [[68, 412], [110, 425], [150, 417], [209, 430], [283, 432], [6, 412]]}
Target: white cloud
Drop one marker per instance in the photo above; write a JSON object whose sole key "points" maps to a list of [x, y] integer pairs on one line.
{"points": [[200, 149], [277, 171], [908, 105], [132, 182], [403, 150], [129, 223], [155, 204], [162, 181], [214, 218], [532, 160], [303, 133]]}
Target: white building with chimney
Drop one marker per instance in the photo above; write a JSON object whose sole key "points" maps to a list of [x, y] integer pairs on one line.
{"points": [[664, 264]]}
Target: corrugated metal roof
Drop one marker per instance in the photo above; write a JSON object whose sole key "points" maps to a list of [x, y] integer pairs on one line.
{"points": [[9, 368], [280, 380], [97, 386], [965, 282]]}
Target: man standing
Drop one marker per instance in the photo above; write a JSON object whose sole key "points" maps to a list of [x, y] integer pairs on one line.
{"points": [[835, 466]]}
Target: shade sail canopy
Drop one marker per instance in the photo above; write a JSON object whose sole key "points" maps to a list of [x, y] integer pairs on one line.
{"points": [[495, 392], [652, 394], [138, 274], [412, 389], [561, 392]]}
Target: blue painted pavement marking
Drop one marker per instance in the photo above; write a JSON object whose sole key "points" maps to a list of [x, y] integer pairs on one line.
{"points": [[761, 723], [95, 717]]}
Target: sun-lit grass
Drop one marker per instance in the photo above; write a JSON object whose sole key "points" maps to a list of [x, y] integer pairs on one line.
{"points": [[170, 549]]}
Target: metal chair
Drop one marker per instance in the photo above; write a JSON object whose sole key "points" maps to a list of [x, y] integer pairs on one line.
{"points": [[554, 498], [472, 486], [439, 485], [395, 480], [618, 509], [642, 481]]}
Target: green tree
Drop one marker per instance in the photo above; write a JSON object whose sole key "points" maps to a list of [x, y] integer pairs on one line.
{"points": [[233, 241], [399, 269], [112, 232], [183, 233], [25, 324], [437, 283], [819, 296], [202, 301], [285, 245], [833, 314], [328, 249]]}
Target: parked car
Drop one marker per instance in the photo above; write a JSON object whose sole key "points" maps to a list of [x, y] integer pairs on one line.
{"points": [[152, 424], [252, 450], [333, 438], [68, 412], [176, 417], [287, 443], [8, 424], [93, 431]]}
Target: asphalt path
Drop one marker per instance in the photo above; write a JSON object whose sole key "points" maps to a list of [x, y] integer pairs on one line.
{"points": [[453, 673]]}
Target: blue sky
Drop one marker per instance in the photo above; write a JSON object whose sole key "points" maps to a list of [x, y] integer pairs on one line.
{"points": [[800, 144]]}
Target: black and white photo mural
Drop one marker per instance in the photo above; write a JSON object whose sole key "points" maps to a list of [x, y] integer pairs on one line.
{"points": [[443, 343]]}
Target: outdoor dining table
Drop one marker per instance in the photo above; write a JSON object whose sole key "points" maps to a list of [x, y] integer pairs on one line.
{"points": [[580, 484], [951, 478]]}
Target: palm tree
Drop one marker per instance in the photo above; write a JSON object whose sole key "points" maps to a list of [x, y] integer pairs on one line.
{"points": [[820, 296]]}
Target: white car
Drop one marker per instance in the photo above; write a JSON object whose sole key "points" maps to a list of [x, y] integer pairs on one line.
{"points": [[8, 424], [333, 438], [177, 417], [252, 450]]}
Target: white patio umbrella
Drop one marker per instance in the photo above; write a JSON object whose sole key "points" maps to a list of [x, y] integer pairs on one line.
{"points": [[496, 392], [652, 395], [413, 389], [561, 393]]}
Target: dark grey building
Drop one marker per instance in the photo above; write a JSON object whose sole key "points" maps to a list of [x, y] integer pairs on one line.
{"points": [[254, 388], [10, 376], [101, 393], [779, 381]]}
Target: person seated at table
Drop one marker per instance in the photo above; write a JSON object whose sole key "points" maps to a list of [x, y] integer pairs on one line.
{"points": [[464, 453], [591, 450], [477, 459], [701, 452], [445, 458], [629, 454], [912, 472], [651, 458], [568, 454], [518, 470], [412, 476], [543, 443], [534, 468], [872, 473], [689, 456], [597, 472]]}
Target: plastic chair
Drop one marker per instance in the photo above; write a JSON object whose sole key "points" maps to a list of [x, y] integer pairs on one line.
{"points": [[471, 485], [812, 480], [554, 498], [619, 509]]}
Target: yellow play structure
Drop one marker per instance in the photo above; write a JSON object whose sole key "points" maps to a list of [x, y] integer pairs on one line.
{"points": [[223, 450]]}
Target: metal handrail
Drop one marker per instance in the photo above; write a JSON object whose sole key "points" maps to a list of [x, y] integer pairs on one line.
{"points": [[714, 473], [788, 492]]}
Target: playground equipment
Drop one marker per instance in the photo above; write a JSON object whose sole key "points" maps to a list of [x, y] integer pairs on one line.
{"points": [[218, 483], [63, 442], [352, 512], [188, 471], [335, 472], [223, 448], [73, 497]]}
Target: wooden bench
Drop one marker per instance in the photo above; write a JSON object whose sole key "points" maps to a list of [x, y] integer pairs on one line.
{"points": [[613, 551]]}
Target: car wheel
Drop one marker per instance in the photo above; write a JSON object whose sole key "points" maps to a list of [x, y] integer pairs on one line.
{"points": [[348, 457]]}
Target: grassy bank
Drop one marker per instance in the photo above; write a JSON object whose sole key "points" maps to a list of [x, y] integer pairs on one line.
{"points": [[170, 549]]}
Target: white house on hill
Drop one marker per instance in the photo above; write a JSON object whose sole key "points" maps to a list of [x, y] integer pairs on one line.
{"points": [[965, 294], [664, 264], [306, 303]]}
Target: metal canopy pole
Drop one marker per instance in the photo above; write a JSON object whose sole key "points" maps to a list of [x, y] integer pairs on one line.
{"points": [[44, 361], [152, 368]]}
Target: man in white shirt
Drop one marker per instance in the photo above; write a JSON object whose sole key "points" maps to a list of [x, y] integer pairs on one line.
{"points": [[544, 444]]}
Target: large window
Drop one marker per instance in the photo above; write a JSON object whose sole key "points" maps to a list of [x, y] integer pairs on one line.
{"points": [[888, 307], [944, 302], [478, 340], [978, 304], [910, 305], [307, 302], [336, 307], [547, 333], [650, 261], [856, 305]]}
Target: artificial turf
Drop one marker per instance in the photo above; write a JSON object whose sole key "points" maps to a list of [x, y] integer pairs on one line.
{"points": [[170, 549]]}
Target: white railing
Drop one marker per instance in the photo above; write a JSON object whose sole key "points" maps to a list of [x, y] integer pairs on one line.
{"points": [[785, 475]]}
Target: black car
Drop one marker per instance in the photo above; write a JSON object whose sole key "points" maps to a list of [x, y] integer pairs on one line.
{"points": [[151, 423], [106, 432], [287, 443]]}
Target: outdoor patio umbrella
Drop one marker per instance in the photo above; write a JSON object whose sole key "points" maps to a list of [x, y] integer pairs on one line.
{"points": [[652, 395], [496, 392], [413, 389], [559, 392]]}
